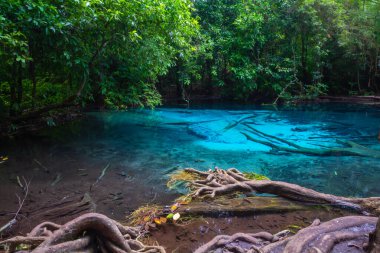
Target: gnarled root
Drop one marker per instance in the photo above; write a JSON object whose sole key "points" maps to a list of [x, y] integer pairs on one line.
{"points": [[374, 240], [90, 232], [219, 182], [337, 235]]}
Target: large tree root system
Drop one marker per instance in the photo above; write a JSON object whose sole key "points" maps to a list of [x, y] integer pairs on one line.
{"points": [[90, 232], [219, 182], [346, 234]]}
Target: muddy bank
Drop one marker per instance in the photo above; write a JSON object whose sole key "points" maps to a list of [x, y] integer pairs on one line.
{"points": [[59, 179], [188, 236], [364, 100], [10, 127]]}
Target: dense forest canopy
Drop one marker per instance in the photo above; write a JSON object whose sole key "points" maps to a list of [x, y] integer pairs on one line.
{"points": [[121, 53]]}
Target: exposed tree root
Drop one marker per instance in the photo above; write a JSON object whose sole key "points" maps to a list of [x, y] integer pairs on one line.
{"points": [[348, 148], [338, 235], [91, 232], [219, 182], [374, 240]]}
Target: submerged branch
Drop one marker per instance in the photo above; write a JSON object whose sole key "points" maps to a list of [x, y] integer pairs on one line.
{"points": [[350, 148]]}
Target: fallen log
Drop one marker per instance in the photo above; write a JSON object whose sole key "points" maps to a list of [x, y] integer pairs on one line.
{"points": [[242, 206], [220, 182]]}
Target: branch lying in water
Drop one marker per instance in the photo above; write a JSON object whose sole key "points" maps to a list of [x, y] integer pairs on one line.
{"points": [[350, 148]]}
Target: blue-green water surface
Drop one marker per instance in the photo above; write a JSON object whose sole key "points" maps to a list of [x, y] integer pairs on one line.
{"points": [[144, 146], [167, 138]]}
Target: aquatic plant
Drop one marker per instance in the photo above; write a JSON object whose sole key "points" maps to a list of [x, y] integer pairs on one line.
{"points": [[179, 179]]}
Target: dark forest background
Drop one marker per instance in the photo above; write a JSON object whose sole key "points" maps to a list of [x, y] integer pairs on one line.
{"points": [[118, 54]]}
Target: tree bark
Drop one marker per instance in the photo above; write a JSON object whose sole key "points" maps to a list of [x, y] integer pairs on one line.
{"points": [[221, 182], [19, 84], [32, 75], [87, 233], [318, 238], [374, 240]]}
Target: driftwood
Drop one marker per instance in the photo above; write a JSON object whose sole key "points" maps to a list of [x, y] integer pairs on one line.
{"points": [[349, 148], [338, 235], [242, 206], [90, 232], [104, 170], [219, 182]]}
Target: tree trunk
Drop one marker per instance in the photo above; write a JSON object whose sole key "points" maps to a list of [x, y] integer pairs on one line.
{"points": [[19, 85], [12, 86], [303, 61], [32, 75]]}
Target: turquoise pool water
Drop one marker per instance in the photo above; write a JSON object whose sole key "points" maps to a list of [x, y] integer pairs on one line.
{"points": [[167, 138], [146, 145]]}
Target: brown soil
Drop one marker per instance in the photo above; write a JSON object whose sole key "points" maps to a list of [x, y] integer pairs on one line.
{"points": [[77, 179], [186, 237]]}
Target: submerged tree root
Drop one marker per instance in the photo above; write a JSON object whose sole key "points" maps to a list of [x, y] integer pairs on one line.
{"points": [[219, 182], [338, 235], [88, 233]]}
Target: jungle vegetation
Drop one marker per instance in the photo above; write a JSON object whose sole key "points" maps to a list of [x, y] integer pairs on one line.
{"points": [[128, 53]]}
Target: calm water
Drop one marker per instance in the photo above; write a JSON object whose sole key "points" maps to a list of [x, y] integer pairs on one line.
{"points": [[145, 145]]}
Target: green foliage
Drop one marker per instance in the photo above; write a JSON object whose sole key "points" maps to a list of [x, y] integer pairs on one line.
{"points": [[111, 51], [291, 49], [50, 121], [114, 52]]}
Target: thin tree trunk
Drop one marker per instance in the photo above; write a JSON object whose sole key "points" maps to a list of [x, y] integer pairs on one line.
{"points": [[19, 85], [32, 74], [12, 86], [358, 79], [303, 61]]}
